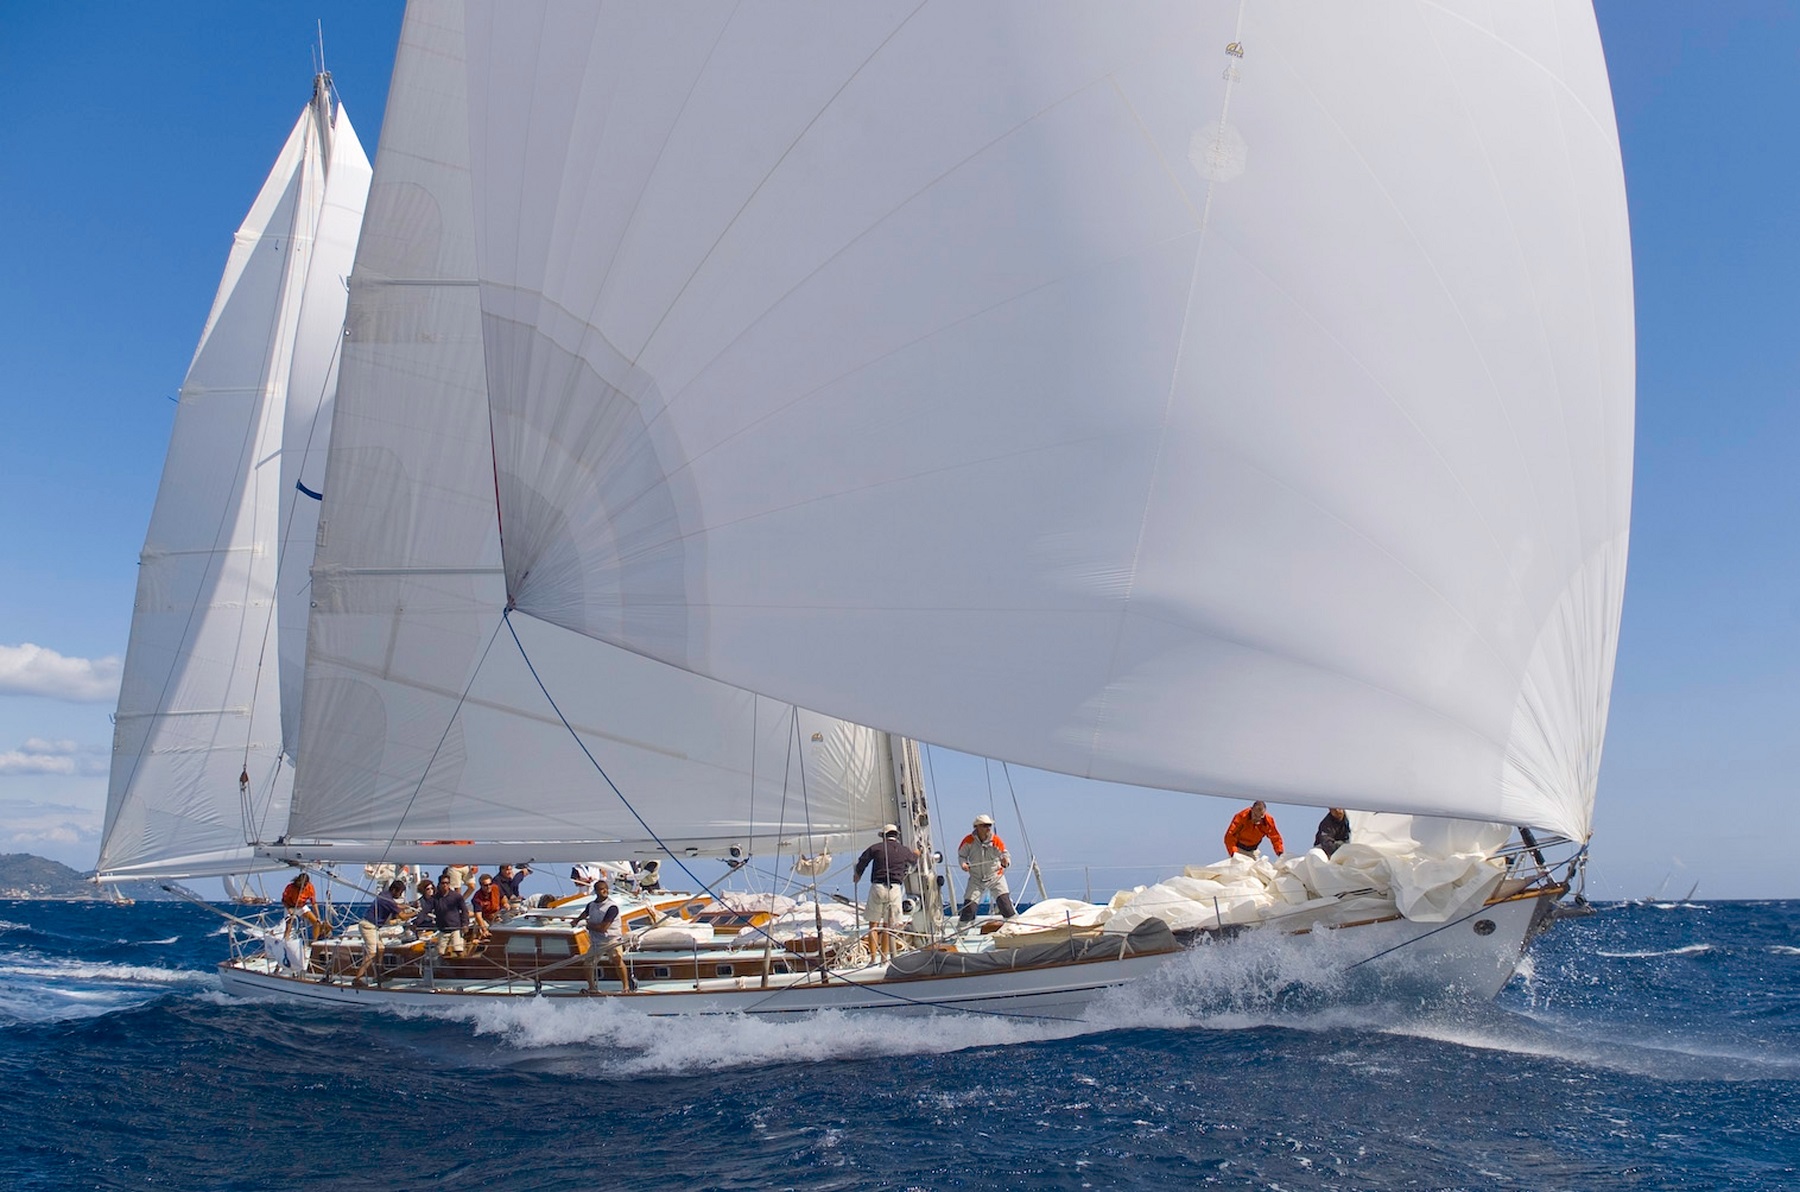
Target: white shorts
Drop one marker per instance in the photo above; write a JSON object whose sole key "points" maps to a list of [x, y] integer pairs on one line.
{"points": [[885, 903], [371, 937]]}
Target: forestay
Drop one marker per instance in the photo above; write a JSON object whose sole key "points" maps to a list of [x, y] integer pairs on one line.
{"points": [[201, 701], [1230, 398], [424, 722]]}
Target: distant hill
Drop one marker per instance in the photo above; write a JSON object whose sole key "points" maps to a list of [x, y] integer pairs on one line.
{"points": [[25, 876]]}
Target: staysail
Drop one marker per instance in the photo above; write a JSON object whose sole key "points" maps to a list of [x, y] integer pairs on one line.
{"points": [[426, 725], [1229, 398], [201, 699]]}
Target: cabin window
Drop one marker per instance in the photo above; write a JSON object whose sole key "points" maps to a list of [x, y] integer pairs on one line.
{"points": [[553, 946], [724, 970], [781, 966], [661, 971], [521, 945]]}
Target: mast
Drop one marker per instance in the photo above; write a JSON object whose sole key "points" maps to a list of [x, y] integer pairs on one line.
{"points": [[912, 813]]}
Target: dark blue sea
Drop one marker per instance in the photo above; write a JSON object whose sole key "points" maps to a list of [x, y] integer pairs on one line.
{"points": [[1644, 1047]]}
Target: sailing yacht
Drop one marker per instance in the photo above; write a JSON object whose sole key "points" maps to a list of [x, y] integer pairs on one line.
{"points": [[1215, 397]]}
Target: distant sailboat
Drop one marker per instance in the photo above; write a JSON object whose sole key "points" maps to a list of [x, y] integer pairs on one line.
{"points": [[245, 890], [209, 703]]}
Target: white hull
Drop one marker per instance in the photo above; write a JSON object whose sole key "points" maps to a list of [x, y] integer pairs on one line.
{"points": [[1395, 957]]}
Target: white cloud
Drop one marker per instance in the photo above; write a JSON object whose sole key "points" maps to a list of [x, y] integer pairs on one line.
{"points": [[34, 670], [18, 761], [38, 756], [60, 831]]}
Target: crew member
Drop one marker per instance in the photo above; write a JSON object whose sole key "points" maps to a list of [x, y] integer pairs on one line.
{"points": [[488, 905], [508, 881], [606, 940], [425, 915], [1249, 828], [302, 906], [984, 859], [887, 886], [452, 917], [1334, 831], [387, 907]]}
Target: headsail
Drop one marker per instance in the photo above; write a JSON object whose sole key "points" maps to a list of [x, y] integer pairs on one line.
{"points": [[1252, 386], [423, 720], [200, 702]]}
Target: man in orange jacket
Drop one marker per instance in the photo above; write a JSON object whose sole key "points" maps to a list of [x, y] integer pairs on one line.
{"points": [[1249, 828]]}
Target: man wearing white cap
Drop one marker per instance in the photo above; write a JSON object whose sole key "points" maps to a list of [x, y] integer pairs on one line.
{"points": [[984, 859], [887, 886]]}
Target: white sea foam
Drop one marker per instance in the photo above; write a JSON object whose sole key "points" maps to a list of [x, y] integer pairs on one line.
{"points": [[1242, 984], [9, 925], [617, 1040], [1685, 950], [1669, 1057], [40, 989], [16, 967], [1784, 950]]}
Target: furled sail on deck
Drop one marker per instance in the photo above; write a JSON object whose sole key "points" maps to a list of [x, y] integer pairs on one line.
{"points": [[1250, 386], [201, 699], [424, 725]]}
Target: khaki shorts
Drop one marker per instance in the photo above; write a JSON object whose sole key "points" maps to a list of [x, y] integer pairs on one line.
{"points": [[371, 937], [885, 904]]}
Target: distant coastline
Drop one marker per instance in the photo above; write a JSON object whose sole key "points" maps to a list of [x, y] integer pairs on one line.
{"points": [[26, 877]]}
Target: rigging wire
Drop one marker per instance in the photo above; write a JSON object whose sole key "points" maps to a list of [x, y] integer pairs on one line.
{"points": [[823, 969], [1024, 833], [672, 854], [449, 724]]}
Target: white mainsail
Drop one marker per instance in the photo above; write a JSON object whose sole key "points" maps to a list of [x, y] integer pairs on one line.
{"points": [[201, 699], [424, 726], [1250, 386]]}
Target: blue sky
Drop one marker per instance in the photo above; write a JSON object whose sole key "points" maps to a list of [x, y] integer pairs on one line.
{"points": [[137, 135]]}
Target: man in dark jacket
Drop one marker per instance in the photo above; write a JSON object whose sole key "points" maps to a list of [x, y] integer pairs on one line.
{"points": [[387, 909], [508, 881], [452, 916], [887, 886], [1334, 831]]}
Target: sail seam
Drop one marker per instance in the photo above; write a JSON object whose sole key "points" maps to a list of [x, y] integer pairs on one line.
{"points": [[773, 169]]}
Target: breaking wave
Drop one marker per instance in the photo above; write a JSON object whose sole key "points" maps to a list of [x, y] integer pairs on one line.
{"points": [[613, 1039], [36, 990], [1253, 982]]}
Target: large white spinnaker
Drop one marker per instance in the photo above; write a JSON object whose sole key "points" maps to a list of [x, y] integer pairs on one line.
{"points": [[1250, 385], [424, 726], [200, 700]]}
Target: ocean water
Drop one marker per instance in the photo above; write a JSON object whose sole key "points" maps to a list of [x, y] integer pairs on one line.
{"points": [[1645, 1047]]}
